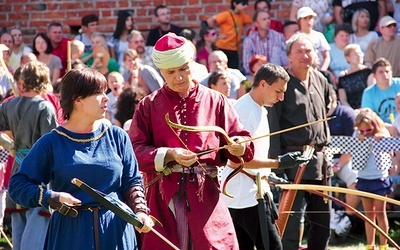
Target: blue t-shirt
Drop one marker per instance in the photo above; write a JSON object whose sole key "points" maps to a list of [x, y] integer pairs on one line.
{"points": [[382, 101]]}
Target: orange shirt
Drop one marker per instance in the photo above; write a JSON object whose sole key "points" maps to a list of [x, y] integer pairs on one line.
{"points": [[227, 27]]}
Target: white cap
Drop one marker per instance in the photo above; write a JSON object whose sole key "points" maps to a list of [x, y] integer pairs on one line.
{"points": [[304, 12], [386, 20], [3, 47]]}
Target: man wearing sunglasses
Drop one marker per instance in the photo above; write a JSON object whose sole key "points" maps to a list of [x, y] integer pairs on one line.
{"points": [[385, 46]]}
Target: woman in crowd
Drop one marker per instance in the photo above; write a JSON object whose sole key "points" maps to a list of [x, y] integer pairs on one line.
{"points": [[355, 79], [42, 49], [18, 49], [118, 42], [86, 147], [206, 44], [126, 105], [362, 35], [140, 76]]}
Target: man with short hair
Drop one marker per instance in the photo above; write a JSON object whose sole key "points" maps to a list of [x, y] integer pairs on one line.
{"points": [[59, 44], [217, 60], [306, 100], [266, 5], [163, 17], [136, 42], [187, 197], [270, 84], [264, 41], [387, 46], [89, 27], [289, 29], [379, 97]]}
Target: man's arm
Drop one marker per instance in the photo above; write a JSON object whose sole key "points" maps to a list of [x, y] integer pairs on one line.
{"points": [[382, 8], [211, 22], [247, 53], [337, 12]]}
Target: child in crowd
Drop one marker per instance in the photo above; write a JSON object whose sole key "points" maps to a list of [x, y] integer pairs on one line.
{"points": [[116, 85], [373, 179], [219, 81]]}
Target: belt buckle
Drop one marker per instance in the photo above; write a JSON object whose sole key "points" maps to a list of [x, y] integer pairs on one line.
{"points": [[64, 209]]}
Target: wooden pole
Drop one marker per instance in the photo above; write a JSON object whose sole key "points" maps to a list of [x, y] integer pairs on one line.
{"points": [[69, 65]]}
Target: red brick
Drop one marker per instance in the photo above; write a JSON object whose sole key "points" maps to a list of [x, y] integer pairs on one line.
{"points": [[38, 23], [6, 8], [54, 15], [106, 5], [52, 6], [88, 4], [192, 10], [70, 6]]}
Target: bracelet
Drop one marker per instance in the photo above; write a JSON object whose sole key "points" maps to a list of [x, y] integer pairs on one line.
{"points": [[40, 195]]}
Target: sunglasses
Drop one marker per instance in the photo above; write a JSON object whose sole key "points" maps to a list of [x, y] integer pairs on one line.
{"points": [[362, 131], [243, 3], [211, 33], [391, 25]]}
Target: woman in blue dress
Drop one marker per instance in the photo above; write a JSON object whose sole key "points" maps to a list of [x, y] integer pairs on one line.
{"points": [[89, 148]]}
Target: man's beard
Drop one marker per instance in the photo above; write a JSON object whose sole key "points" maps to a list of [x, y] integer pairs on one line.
{"points": [[140, 50]]}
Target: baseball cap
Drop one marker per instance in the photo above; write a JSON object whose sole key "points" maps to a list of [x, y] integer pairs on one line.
{"points": [[304, 12], [386, 20]]}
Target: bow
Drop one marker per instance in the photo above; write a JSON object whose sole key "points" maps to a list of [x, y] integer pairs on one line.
{"points": [[119, 208], [316, 189], [209, 129], [287, 199]]}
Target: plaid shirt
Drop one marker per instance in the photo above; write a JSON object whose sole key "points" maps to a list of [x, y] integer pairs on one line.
{"points": [[273, 47]]}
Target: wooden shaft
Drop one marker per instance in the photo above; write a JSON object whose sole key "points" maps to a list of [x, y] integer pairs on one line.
{"points": [[164, 239]]}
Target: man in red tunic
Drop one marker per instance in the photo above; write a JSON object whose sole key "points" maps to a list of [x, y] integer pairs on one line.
{"points": [[187, 199]]}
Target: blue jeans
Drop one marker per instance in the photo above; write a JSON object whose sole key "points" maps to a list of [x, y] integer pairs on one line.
{"points": [[29, 229]]}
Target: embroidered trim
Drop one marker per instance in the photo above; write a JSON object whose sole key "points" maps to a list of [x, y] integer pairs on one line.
{"points": [[83, 140], [40, 195]]}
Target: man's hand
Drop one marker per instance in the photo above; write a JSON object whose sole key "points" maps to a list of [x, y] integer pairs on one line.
{"points": [[291, 159], [181, 156], [237, 149]]}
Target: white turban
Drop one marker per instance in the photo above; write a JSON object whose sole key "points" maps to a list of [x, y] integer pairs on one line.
{"points": [[172, 51]]}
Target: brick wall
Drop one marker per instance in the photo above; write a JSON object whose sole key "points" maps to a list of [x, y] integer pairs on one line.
{"points": [[32, 16]]}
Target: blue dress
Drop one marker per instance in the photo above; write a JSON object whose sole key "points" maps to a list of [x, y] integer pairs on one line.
{"points": [[107, 164]]}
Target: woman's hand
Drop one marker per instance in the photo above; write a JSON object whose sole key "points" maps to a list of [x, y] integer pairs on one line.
{"points": [[68, 199], [148, 223]]}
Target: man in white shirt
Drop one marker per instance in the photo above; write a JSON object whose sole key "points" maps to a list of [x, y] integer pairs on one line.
{"points": [[270, 84]]}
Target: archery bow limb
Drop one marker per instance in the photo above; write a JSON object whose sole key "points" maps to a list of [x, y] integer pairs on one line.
{"points": [[288, 198], [337, 190], [211, 129], [119, 208], [358, 213]]}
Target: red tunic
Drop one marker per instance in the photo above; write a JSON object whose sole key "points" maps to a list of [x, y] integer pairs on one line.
{"points": [[209, 220], [61, 51]]}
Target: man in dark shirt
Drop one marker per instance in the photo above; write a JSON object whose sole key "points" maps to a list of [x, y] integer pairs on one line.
{"points": [[163, 16], [306, 100], [344, 10]]}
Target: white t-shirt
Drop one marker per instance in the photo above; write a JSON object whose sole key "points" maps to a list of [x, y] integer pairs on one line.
{"points": [[363, 41], [112, 106], [243, 188]]}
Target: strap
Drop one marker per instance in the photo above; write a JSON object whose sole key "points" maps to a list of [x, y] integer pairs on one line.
{"points": [[236, 28], [96, 228], [21, 153]]}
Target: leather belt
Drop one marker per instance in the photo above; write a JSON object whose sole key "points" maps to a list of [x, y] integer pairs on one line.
{"points": [[72, 211]]}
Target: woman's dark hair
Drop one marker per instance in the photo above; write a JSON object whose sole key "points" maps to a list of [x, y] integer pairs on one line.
{"points": [[46, 39], [120, 27], [204, 31], [80, 83], [126, 104]]}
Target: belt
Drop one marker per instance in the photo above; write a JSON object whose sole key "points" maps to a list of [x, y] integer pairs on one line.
{"points": [[64, 209], [300, 148], [177, 168]]}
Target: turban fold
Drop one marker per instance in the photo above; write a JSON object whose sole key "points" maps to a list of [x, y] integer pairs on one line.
{"points": [[171, 51]]}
